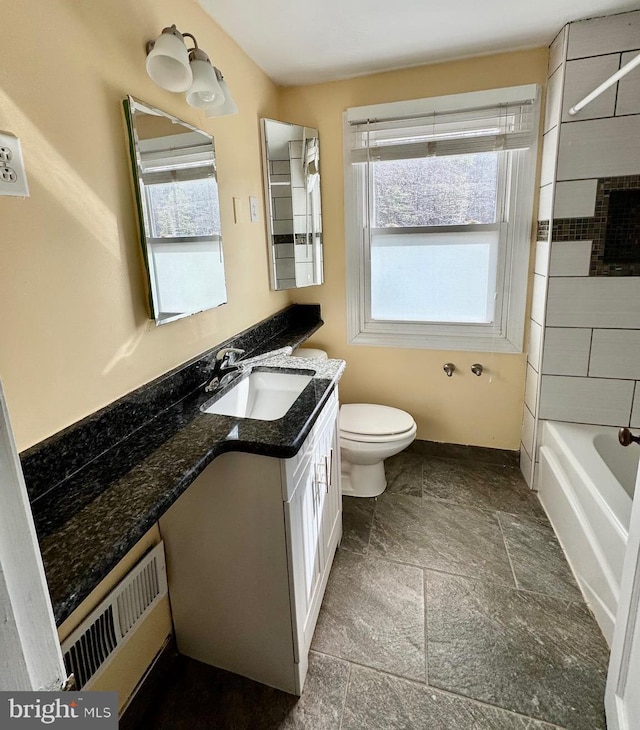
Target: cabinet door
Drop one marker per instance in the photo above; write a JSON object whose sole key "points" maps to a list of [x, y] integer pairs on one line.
{"points": [[303, 528], [332, 515]]}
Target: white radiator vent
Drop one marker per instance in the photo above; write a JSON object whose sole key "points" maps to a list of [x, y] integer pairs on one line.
{"points": [[90, 648]]}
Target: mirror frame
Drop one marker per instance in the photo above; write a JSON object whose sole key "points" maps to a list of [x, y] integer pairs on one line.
{"points": [[131, 105]]}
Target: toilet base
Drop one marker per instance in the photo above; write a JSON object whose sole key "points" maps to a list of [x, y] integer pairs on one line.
{"points": [[363, 480]]}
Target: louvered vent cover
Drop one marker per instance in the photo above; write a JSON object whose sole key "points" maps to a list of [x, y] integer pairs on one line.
{"points": [[90, 648]]}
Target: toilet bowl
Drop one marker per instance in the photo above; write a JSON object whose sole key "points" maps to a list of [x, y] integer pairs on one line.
{"points": [[369, 434]]}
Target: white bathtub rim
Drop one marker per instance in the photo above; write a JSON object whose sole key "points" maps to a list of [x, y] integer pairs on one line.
{"points": [[592, 469]]}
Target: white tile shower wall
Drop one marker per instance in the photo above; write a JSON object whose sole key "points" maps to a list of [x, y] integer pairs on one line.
{"points": [[570, 258], [528, 430], [549, 152], [581, 78], [598, 36], [635, 413], [537, 298], [575, 199], [557, 50], [553, 99], [545, 201], [594, 301], [541, 265], [615, 354], [581, 381], [599, 148], [606, 402], [526, 467], [566, 351], [628, 101], [535, 345], [553, 102], [531, 389]]}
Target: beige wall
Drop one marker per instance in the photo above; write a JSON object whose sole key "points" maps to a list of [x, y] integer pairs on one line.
{"points": [[485, 411], [74, 331]]}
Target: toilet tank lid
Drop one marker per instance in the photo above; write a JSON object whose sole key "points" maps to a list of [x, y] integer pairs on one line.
{"points": [[374, 420]]}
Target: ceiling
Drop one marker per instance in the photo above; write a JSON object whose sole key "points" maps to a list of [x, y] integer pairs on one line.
{"points": [[310, 41]]}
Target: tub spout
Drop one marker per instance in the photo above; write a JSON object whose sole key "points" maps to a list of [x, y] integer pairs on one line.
{"points": [[626, 438]]}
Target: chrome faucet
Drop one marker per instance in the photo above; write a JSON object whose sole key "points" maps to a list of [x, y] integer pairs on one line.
{"points": [[225, 368]]}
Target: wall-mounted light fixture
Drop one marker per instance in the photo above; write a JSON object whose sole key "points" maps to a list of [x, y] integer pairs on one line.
{"points": [[174, 67]]}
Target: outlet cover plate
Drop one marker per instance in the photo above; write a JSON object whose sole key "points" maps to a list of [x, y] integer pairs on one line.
{"points": [[12, 167]]}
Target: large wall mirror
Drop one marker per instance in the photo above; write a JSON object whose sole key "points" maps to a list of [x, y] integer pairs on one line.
{"points": [[291, 159], [174, 169]]}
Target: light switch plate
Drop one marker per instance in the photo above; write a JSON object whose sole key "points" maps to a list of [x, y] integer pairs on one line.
{"points": [[253, 209], [237, 210], [13, 178]]}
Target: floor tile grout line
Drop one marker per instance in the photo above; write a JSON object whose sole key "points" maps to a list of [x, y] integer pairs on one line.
{"points": [[506, 548], [426, 686], [426, 628], [373, 517], [419, 682], [518, 589], [426, 497], [346, 693]]}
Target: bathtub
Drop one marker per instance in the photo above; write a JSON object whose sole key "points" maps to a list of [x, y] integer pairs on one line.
{"points": [[586, 482]]}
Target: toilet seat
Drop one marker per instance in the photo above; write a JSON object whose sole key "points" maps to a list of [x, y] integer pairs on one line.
{"points": [[367, 422]]}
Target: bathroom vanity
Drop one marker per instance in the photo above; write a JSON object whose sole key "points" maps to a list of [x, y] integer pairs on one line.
{"points": [[249, 548]]}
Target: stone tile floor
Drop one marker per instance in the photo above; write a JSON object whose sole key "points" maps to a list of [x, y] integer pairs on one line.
{"points": [[450, 606]]}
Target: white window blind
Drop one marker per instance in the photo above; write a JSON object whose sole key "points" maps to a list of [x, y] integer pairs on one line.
{"points": [[508, 126]]}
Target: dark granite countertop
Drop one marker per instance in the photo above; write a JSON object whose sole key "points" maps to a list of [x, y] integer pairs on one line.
{"points": [[99, 485], [126, 490]]}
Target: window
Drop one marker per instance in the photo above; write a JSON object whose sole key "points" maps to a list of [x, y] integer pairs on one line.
{"points": [[438, 212]]}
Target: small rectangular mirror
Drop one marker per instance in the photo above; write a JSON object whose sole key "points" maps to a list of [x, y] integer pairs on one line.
{"points": [[291, 156], [174, 170]]}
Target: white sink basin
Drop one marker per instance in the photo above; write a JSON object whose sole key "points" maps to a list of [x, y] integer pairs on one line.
{"points": [[264, 395]]}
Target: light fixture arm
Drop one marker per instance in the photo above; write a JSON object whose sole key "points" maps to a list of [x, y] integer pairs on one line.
{"points": [[193, 38]]}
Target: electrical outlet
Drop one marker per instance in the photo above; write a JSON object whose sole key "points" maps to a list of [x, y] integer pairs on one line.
{"points": [[8, 175], [13, 178]]}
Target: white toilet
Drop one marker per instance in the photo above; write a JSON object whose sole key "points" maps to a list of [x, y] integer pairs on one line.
{"points": [[369, 434]]}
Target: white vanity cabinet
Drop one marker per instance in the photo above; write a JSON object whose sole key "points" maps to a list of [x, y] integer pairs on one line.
{"points": [[249, 548]]}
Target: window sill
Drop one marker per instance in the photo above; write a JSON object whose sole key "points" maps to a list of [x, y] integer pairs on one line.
{"points": [[468, 343]]}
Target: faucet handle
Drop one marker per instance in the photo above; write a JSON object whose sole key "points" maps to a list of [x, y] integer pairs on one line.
{"points": [[228, 355]]}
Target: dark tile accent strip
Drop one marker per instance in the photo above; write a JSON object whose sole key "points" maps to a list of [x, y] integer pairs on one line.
{"points": [[575, 229], [542, 231], [62, 455], [283, 238]]}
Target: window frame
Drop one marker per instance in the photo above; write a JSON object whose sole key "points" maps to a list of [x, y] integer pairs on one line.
{"points": [[517, 179]]}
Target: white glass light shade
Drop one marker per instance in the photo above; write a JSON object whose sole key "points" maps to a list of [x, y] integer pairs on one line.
{"points": [[228, 107], [205, 90], [168, 62]]}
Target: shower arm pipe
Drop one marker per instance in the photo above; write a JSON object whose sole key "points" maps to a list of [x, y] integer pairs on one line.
{"points": [[605, 85]]}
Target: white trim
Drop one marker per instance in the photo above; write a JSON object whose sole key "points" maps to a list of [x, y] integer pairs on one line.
{"points": [[30, 655], [451, 102], [507, 333]]}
